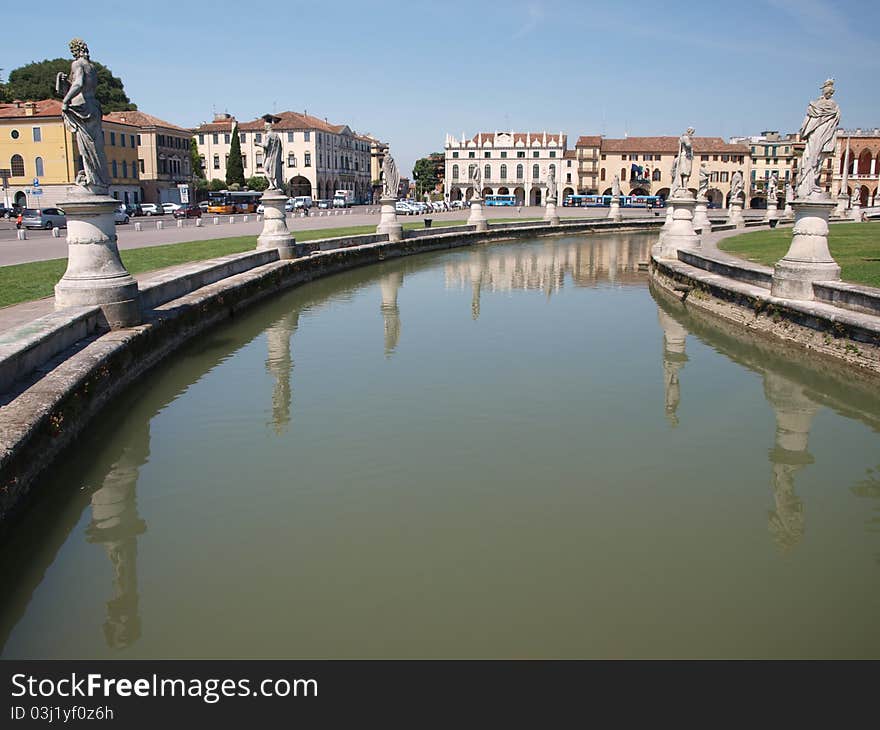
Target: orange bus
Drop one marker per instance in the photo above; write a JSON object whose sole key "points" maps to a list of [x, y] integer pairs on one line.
{"points": [[227, 202]]}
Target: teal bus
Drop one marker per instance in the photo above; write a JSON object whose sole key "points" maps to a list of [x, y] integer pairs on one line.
{"points": [[500, 200]]}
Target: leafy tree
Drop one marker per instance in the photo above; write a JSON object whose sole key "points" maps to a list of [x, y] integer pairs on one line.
{"points": [[195, 160], [234, 167], [257, 182], [37, 81], [425, 173], [216, 185], [4, 91]]}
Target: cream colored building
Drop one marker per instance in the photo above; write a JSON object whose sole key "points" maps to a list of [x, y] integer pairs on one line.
{"points": [[644, 165], [771, 154], [511, 163], [35, 145], [163, 151], [318, 157]]}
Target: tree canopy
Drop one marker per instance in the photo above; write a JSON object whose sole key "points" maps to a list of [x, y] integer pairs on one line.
{"points": [[195, 160], [234, 166], [425, 173], [37, 81], [257, 182]]}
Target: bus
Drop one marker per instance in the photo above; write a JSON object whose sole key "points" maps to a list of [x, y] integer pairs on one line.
{"points": [[604, 201], [227, 202], [500, 200]]}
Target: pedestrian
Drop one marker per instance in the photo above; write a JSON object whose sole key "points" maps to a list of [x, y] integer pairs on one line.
{"points": [[18, 220], [518, 209]]}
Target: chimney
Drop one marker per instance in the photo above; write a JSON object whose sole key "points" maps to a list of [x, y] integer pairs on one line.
{"points": [[29, 108]]}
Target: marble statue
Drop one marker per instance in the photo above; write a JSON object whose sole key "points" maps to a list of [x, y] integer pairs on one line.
{"points": [[551, 183], [685, 158], [737, 187], [673, 174], [390, 177], [819, 134], [856, 197], [789, 193], [772, 190], [615, 187], [81, 112], [476, 180], [703, 191], [273, 168]]}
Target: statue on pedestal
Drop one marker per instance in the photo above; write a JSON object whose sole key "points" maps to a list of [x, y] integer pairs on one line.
{"points": [[789, 194], [856, 197], [81, 112], [615, 189], [703, 191], [390, 177], [737, 188], [685, 158], [272, 164], [673, 173], [772, 191], [476, 180], [551, 183], [819, 133]]}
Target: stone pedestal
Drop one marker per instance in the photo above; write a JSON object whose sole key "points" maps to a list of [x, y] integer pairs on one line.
{"points": [[550, 214], [275, 233], [787, 213], [95, 274], [476, 217], [614, 213], [808, 259], [856, 212], [667, 223], [842, 205], [701, 217], [388, 220], [735, 214], [681, 234], [772, 213]]}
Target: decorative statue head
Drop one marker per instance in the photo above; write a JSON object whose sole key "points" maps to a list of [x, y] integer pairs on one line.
{"points": [[79, 48], [690, 131], [269, 120], [828, 88]]}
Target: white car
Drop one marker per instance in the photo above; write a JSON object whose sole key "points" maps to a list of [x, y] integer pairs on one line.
{"points": [[171, 207], [120, 215], [151, 209], [403, 208], [457, 204]]}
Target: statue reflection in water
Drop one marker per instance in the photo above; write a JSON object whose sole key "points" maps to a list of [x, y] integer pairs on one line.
{"points": [[794, 417], [389, 285], [116, 525], [674, 358], [279, 364]]}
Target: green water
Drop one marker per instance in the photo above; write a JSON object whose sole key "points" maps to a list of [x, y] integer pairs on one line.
{"points": [[516, 450]]}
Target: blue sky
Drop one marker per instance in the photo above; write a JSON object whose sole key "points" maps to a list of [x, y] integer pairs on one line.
{"points": [[410, 72]]}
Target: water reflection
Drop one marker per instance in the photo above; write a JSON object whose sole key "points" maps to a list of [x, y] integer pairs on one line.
{"points": [[116, 525], [674, 358], [279, 363], [586, 261], [389, 284]]}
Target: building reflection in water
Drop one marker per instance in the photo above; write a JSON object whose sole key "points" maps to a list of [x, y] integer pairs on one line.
{"points": [[116, 525], [794, 417], [279, 363], [869, 488], [587, 261], [674, 358], [389, 285]]}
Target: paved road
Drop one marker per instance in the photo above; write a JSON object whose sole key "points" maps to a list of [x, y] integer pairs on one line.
{"points": [[41, 246]]}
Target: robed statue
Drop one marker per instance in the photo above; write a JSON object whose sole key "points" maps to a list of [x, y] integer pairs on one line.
{"points": [[789, 194], [819, 134], [703, 190], [673, 174], [273, 167], [772, 190], [476, 180], [551, 183], [81, 112], [856, 197], [390, 178], [615, 188], [737, 187], [685, 158]]}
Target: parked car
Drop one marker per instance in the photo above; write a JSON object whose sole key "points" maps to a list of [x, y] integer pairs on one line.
{"points": [[324, 203], [203, 206], [457, 204], [132, 209], [404, 207], [288, 206], [47, 218], [120, 215], [302, 201], [152, 209], [171, 207], [188, 211]]}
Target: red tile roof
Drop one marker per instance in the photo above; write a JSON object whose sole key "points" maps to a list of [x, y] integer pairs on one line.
{"points": [[670, 145], [521, 137], [294, 120], [42, 108], [589, 141], [142, 119]]}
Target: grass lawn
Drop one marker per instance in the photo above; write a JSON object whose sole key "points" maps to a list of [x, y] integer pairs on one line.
{"points": [[855, 246], [35, 280]]}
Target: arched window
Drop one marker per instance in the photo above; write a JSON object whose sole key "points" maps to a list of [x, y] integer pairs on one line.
{"points": [[536, 172], [487, 173], [16, 166], [504, 172], [115, 169], [655, 176], [38, 167], [519, 172], [602, 174], [291, 160], [455, 172], [623, 173]]}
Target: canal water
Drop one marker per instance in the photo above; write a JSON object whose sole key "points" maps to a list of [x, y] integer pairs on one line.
{"points": [[515, 450]]}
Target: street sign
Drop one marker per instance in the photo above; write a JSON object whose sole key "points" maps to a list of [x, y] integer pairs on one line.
{"points": [[36, 182], [184, 194], [37, 191]]}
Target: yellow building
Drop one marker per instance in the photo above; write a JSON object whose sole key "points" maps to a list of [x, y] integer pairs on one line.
{"points": [[771, 154], [35, 145]]}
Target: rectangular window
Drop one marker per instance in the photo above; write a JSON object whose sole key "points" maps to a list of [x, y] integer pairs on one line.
{"points": [[141, 164], [201, 139], [535, 153], [552, 153], [122, 143], [487, 155], [307, 159], [503, 155], [243, 162], [623, 157], [521, 154], [704, 158], [113, 141], [471, 154], [307, 136], [290, 136], [38, 134], [131, 137], [455, 155], [258, 137], [241, 136], [216, 138], [724, 176]]}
